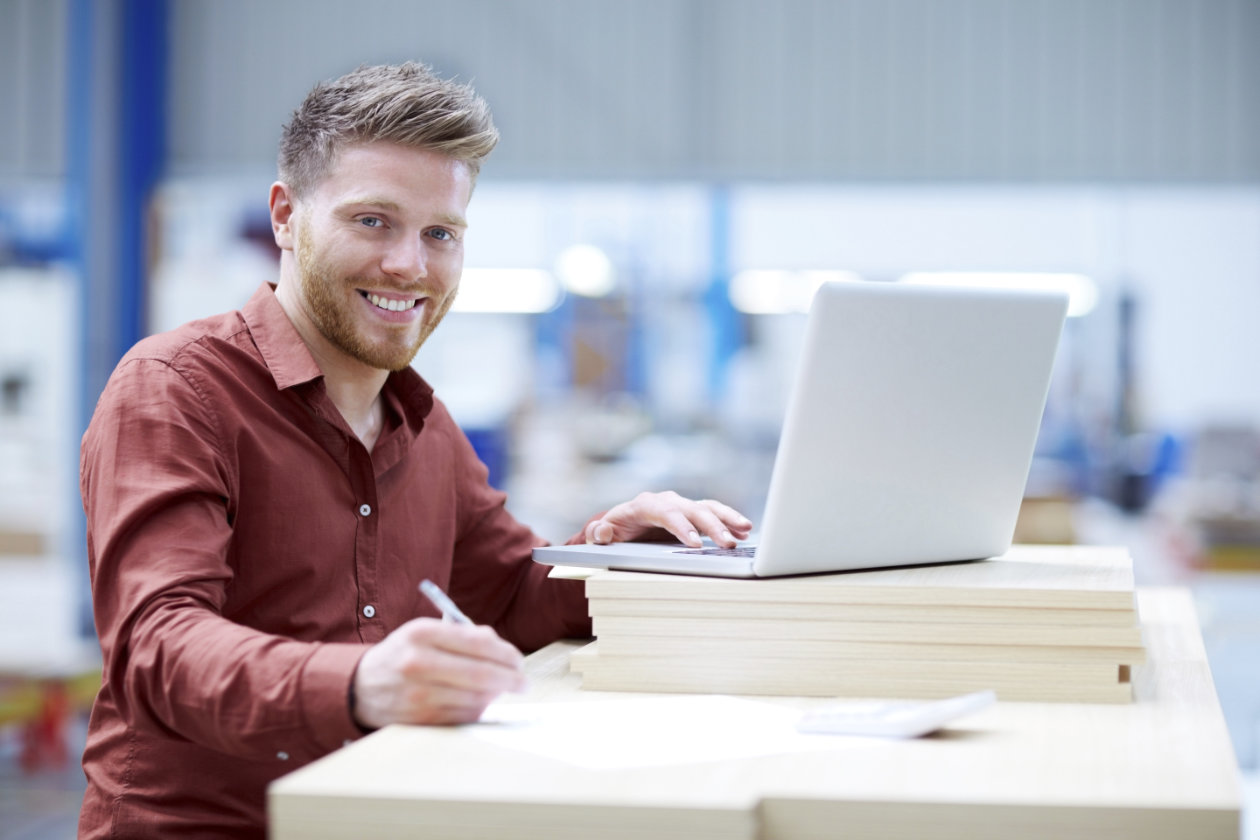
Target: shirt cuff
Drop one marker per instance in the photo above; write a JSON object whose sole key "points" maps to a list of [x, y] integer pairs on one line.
{"points": [[325, 692]]}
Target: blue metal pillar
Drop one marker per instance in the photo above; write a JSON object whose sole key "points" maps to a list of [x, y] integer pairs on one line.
{"points": [[141, 157], [116, 153], [723, 318]]}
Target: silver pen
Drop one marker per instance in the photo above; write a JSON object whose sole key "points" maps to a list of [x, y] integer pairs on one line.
{"points": [[443, 602]]}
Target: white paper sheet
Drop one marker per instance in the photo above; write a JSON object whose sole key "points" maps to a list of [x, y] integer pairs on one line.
{"points": [[653, 731]]}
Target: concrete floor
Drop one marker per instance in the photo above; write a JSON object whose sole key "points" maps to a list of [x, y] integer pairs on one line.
{"points": [[42, 805]]}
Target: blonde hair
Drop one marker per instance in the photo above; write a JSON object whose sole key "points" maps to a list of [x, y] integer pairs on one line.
{"points": [[401, 103]]}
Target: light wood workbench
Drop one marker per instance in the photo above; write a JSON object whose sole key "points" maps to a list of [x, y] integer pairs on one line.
{"points": [[1162, 767]]}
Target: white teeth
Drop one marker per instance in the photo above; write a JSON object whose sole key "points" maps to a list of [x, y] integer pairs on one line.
{"points": [[391, 305]]}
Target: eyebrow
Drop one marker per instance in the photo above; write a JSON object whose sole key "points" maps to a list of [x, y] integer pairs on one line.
{"points": [[454, 220]]}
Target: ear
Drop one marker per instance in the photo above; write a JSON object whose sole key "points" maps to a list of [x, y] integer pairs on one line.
{"points": [[283, 215]]}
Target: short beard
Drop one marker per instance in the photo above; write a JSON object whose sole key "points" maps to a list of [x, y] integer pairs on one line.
{"points": [[329, 313]]}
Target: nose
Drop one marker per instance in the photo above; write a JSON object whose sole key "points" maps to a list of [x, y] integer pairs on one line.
{"points": [[405, 258]]}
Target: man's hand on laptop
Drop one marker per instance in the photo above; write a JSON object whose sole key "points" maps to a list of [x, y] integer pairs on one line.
{"points": [[657, 515]]}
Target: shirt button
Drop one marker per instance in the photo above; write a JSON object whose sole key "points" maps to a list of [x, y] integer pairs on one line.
{"points": [[282, 755], [365, 510], [369, 611]]}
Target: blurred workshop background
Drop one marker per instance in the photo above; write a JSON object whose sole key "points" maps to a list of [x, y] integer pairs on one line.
{"points": [[675, 177]]}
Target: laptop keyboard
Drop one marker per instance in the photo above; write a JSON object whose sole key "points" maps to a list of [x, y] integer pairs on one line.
{"points": [[738, 551]]}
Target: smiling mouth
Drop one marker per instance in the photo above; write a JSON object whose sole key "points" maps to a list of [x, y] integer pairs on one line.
{"points": [[388, 303]]}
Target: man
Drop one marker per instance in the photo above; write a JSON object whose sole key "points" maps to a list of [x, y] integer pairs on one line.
{"points": [[265, 489]]}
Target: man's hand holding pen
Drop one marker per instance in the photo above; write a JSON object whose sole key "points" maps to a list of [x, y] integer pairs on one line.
{"points": [[434, 672]]}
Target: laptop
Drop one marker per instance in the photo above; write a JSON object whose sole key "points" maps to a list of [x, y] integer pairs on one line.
{"points": [[908, 437]]}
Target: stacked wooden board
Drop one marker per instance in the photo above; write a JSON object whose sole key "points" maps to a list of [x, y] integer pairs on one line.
{"points": [[1040, 623]]}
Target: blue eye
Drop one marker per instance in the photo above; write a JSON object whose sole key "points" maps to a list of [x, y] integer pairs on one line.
{"points": [[442, 234], [370, 221]]}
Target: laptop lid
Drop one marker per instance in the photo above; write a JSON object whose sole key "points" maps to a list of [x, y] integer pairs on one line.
{"points": [[908, 437]]}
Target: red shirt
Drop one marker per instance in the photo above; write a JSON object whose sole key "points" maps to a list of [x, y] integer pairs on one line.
{"points": [[246, 548]]}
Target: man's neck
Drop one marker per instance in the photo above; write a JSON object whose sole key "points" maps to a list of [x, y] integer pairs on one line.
{"points": [[359, 402], [353, 387]]}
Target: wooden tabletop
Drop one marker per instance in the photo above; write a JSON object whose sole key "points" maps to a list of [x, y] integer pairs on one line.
{"points": [[1161, 767]]}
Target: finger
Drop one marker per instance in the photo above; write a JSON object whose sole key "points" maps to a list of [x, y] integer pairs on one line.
{"points": [[736, 522], [704, 520], [733, 519], [458, 713], [475, 650], [452, 715], [651, 511], [685, 519], [434, 667], [440, 705], [721, 523], [681, 526], [431, 696], [477, 641], [600, 532]]}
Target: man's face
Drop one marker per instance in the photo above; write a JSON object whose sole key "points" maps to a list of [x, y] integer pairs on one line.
{"points": [[379, 248]]}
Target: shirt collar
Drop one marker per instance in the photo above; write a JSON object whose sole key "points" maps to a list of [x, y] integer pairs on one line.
{"points": [[290, 362], [283, 351], [414, 395]]}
